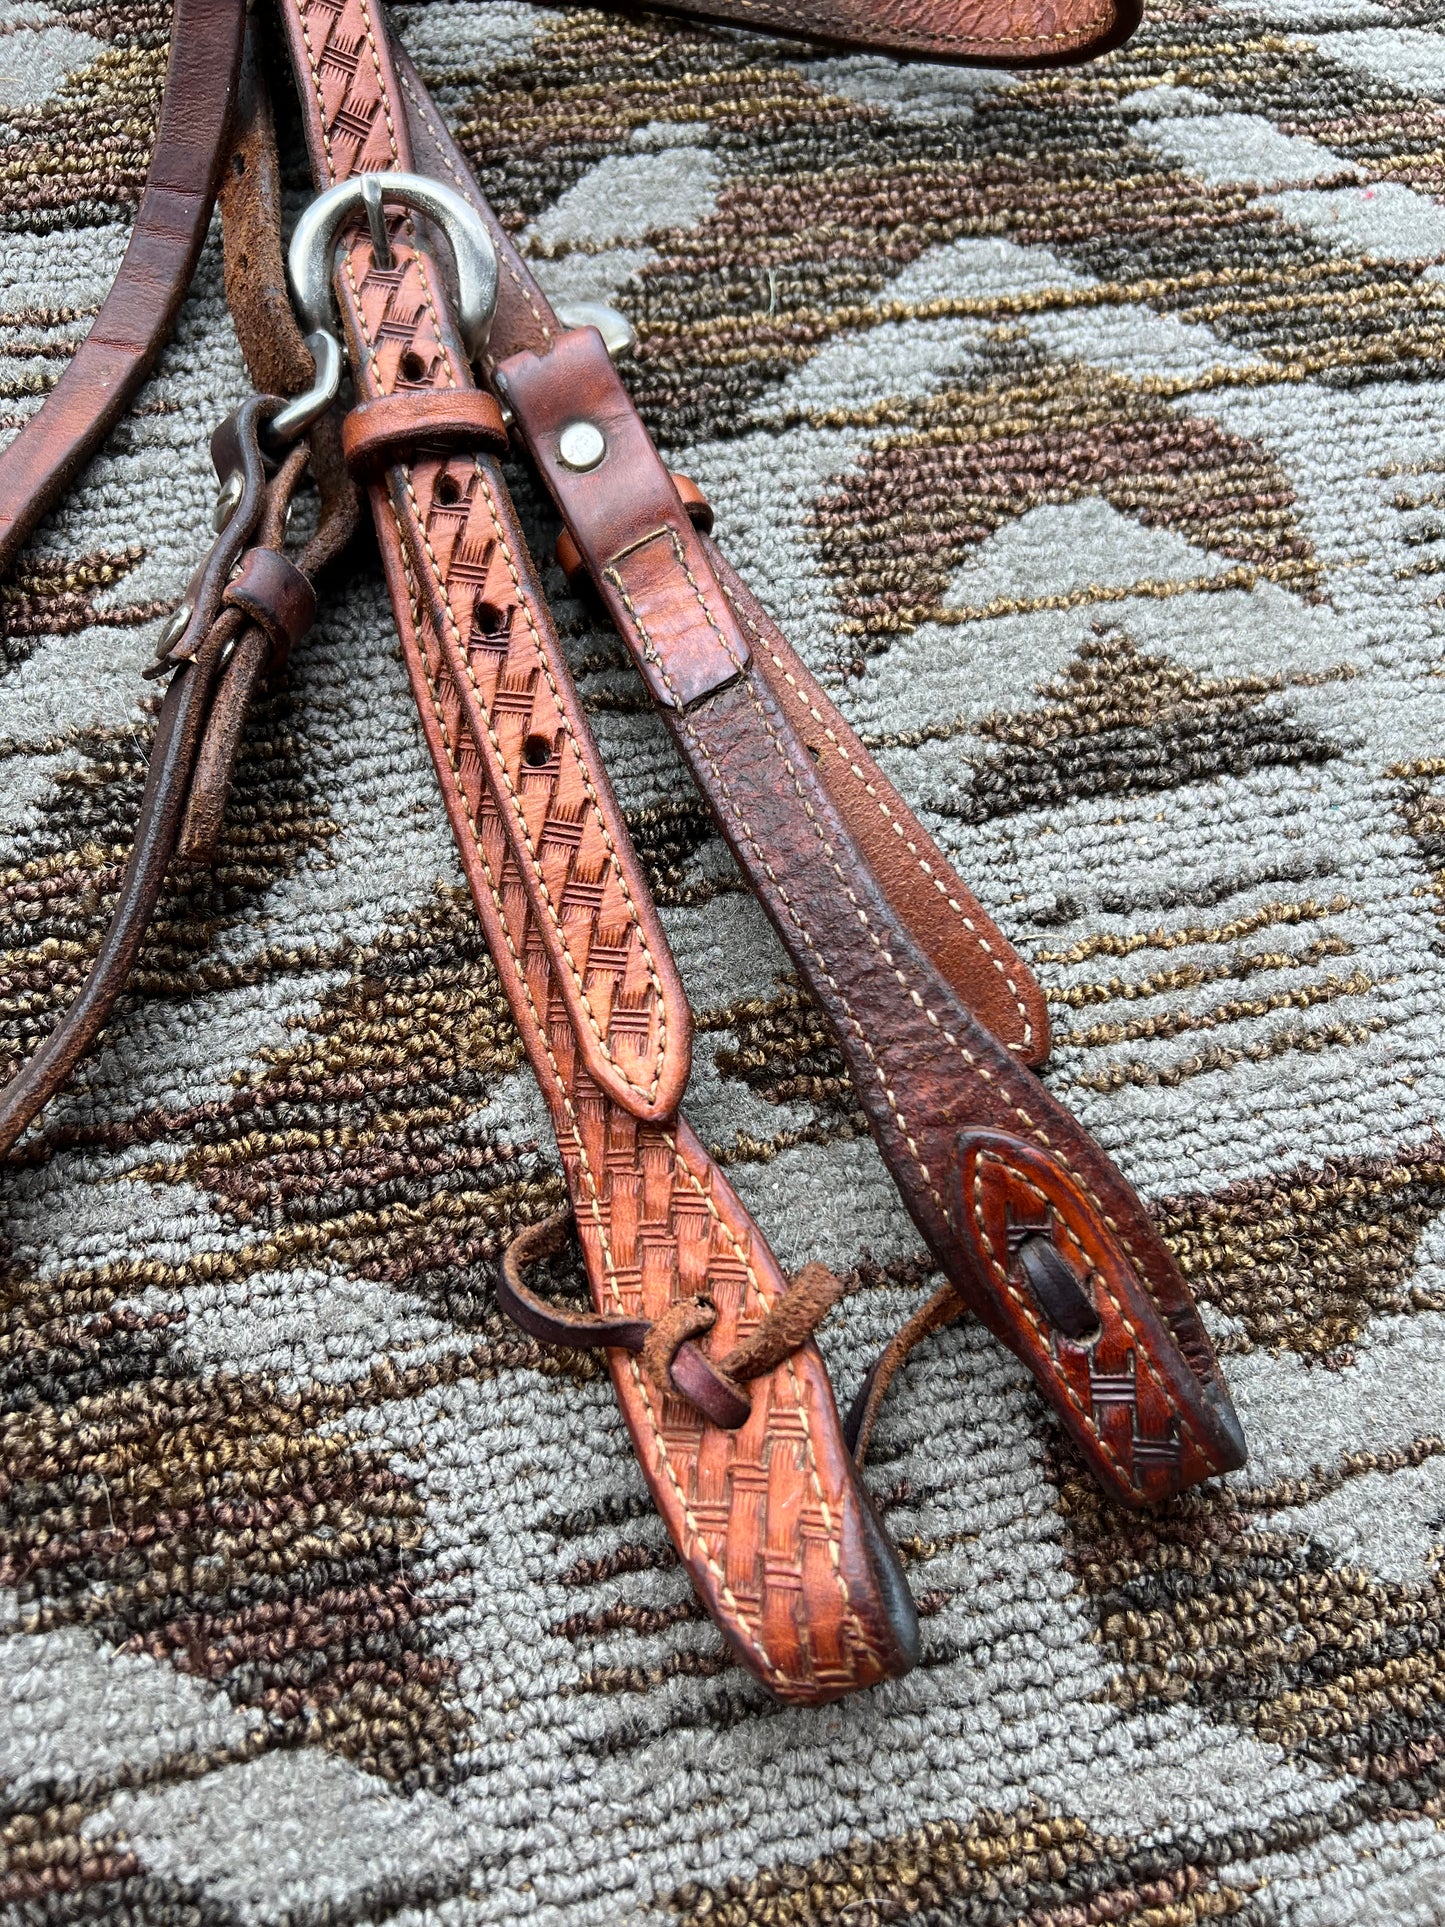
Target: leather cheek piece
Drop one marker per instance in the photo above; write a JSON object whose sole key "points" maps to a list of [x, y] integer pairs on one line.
{"points": [[277, 597], [402, 426]]}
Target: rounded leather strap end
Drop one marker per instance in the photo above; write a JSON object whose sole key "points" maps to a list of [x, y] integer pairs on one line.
{"points": [[1087, 1294], [401, 427], [277, 597]]}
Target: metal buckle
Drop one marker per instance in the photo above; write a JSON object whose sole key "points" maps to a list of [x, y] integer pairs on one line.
{"points": [[310, 265]]}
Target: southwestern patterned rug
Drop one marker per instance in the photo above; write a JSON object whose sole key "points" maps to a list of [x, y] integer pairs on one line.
{"points": [[1087, 431]]}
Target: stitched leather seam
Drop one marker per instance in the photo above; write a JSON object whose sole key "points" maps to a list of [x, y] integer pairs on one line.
{"points": [[967, 1056], [1140, 1349], [316, 88], [854, 770], [648, 1090], [1035, 1130], [783, 896], [699, 1541], [598, 814], [612, 576], [719, 1574], [424, 110], [924, 865]]}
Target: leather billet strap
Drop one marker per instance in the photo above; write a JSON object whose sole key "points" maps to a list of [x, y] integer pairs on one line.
{"points": [[769, 1518], [1135, 1381], [247, 604], [984, 33], [945, 917], [136, 316]]}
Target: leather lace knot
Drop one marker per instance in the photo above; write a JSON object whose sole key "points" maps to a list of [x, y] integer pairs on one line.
{"points": [[674, 1363]]}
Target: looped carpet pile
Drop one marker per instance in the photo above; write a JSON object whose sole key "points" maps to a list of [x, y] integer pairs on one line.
{"points": [[1086, 430]]}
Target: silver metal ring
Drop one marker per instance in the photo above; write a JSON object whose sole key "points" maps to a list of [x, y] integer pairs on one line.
{"points": [[311, 264], [313, 245]]}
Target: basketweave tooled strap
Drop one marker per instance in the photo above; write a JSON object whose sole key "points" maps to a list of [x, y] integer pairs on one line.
{"points": [[985, 33], [991, 1168], [946, 919], [768, 1516]]}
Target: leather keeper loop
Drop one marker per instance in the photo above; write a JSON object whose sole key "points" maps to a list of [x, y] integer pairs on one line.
{"points": [[277, 597], [699, 508], [398, 428], [569, 556]]}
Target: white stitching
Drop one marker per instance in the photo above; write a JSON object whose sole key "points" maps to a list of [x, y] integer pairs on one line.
{"points": [[650, 1089], [924, 865], [1033, 1129]]}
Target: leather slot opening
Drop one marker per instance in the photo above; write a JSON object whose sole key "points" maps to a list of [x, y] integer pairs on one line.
{"points": [[1055, 1284]]}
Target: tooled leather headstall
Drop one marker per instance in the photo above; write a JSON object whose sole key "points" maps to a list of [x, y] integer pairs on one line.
{"points": [[400, 267]]}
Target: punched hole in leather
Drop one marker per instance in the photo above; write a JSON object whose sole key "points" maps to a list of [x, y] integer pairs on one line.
{"points": [[1055, 1285]]}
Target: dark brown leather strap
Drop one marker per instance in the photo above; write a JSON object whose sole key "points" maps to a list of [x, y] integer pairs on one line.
{"points": [[196, 732], [988, 33], [246, 604], [136, 316]]}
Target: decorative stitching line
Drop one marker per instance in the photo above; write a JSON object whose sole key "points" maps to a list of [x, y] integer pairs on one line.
{"points": [[1141, 1352], [719, 1575], [648, 1090], [594, 1197], [767, 1303], [758, 636], [898, 830], [523, 602]]}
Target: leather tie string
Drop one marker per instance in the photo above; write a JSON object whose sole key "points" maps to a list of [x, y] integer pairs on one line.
{"points": [[674, 1363]]}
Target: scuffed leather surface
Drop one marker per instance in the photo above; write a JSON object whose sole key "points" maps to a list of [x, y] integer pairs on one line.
{"points": [[922, 885], [927, 1071]]}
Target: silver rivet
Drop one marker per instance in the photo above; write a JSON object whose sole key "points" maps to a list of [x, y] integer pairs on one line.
{"points": [[175, 628], [581, 445], [229, 499]]}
